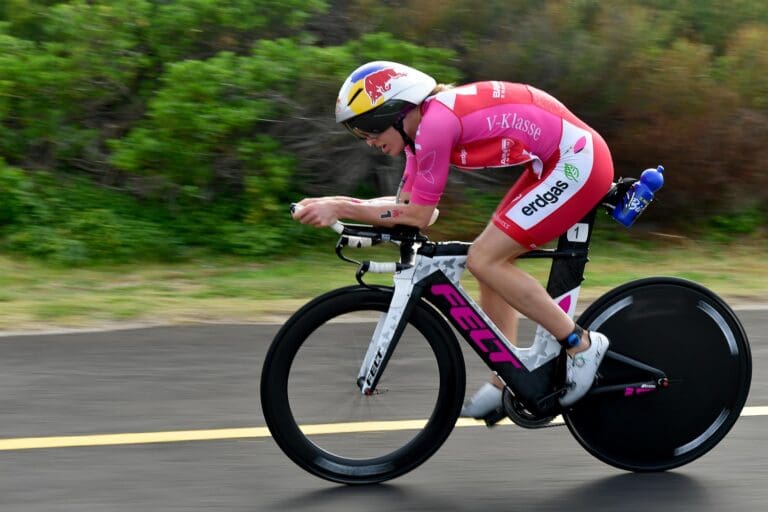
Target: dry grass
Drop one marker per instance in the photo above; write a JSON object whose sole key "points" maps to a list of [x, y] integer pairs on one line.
{"points": [[38, 297]]}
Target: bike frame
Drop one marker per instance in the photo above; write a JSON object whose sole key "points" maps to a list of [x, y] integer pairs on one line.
{"points": [[434, 275], [661, 320]]}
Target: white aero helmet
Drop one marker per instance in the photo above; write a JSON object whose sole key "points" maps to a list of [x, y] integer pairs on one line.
{"points": [[378, 94]]}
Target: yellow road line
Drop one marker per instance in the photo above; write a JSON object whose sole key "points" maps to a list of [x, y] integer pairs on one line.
{"points": [[755, 411], [31, 443], [34, 443]]}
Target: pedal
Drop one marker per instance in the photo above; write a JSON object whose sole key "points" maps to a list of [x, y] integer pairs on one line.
{"points": [[494, 417]]}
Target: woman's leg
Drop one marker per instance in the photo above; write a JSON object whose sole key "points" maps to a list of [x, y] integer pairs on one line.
{"points": [[503, 315], [491, 261], [501, 280], [573, 185]]}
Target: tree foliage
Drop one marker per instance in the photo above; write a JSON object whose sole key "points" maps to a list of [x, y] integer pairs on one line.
{"points": [[676, 82], [201, 119]]}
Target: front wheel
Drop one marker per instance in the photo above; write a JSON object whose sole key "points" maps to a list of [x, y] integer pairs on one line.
{"points": [[695, 339], [314, 407]]}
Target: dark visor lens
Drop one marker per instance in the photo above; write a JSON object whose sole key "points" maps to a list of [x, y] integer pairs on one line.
{"points": [[378, 119], [358, 132], [370, 122]]}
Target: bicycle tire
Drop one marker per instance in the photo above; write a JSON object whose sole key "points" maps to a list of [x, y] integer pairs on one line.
{"points": [[281, 406], [693, 336]]}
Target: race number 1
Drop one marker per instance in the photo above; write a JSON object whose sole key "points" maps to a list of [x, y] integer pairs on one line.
{"points": [[578, 233]]}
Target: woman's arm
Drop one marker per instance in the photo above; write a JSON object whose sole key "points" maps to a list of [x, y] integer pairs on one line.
{"points": [[382, 211]]}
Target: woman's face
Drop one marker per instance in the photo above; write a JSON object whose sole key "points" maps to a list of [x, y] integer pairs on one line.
{"points": [[390, 142]]}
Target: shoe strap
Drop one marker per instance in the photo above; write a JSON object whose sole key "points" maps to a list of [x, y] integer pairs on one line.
{"points": [[572, 339]]}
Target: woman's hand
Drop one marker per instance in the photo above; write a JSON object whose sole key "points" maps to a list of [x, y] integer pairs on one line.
{"points": [[319, 212]]}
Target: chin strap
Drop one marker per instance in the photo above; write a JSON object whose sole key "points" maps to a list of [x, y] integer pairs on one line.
{"points": [[408, 141]]}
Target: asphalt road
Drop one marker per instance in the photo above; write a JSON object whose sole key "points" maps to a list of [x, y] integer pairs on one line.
{"points": [[203, 381]]}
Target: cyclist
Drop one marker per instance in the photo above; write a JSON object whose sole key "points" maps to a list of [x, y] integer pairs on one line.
{"points": [[568, 169]]}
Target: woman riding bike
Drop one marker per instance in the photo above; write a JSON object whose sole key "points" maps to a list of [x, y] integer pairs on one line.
{"points": [[568, 170]]}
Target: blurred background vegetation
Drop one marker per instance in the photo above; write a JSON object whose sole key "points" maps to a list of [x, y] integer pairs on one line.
{"points": [[136, 130]]}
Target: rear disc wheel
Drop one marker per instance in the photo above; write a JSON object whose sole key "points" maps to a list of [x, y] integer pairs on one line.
{"points": [[690, 334]]}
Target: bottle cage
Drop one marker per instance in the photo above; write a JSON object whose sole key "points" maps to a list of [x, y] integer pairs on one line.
{"points": [[611, 200]]}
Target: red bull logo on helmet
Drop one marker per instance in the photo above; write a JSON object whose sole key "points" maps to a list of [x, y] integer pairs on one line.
{"points": [[375, 80], [379, 82]]}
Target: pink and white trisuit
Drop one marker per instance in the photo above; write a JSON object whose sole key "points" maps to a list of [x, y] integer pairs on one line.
{"points": [[500, 124]]}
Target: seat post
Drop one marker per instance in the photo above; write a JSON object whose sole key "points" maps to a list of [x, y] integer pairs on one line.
{"points": [[567, 273]]}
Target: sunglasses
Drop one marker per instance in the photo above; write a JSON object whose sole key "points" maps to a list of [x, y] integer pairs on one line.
{"points": [[374, 122], [367, 126]]}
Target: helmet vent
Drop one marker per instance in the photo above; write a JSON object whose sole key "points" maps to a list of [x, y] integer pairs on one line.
{"points": [[355, 96]]}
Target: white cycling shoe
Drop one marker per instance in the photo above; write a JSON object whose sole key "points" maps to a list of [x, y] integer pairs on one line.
{"points": [[485, 400], [580, 374], [582, 368]]}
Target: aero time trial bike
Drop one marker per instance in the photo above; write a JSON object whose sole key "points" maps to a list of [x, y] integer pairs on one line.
{"points": [[384, 363]]}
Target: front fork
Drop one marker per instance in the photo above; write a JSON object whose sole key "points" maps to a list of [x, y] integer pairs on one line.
{"points": [[388, 331]]}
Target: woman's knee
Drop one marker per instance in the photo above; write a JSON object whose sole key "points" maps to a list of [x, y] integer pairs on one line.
{"points": [[477, 262], [491, 250], [482, 263]]}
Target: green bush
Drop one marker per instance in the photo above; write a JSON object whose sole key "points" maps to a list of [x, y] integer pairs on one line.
{"points": [[149, 129], [17, 198], [727, 228], [73, 222]]}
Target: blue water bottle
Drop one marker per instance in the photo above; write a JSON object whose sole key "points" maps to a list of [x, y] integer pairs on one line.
{"points": [[639, 196]]}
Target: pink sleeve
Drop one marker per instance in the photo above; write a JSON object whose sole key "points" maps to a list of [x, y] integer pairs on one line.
{"points": [[406, 184], [439, 132]]}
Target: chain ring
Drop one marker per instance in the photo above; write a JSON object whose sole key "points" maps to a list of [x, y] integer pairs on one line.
{"points": [[521, 416]]}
